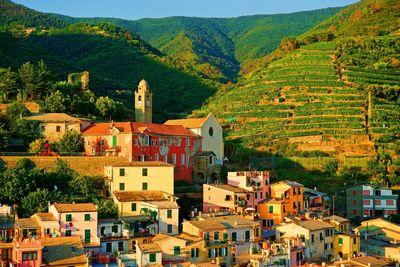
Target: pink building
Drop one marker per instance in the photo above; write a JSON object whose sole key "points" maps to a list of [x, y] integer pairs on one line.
{"points": [[78, 219], [27, 252], [243, 193]]}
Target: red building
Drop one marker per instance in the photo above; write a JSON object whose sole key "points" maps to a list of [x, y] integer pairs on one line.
{"points": [[146, 142]]}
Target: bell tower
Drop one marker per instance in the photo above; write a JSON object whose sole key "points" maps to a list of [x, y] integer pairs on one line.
{"points": [[143, 103]]}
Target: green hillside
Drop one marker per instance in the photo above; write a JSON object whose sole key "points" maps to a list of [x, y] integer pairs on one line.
{"points": [[116, 59], [216, 47], [312, 97]]}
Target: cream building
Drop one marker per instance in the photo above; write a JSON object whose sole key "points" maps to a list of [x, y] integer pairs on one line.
{"points": [[210, 131], [54, 125], [158, 205], [140, 175], [148, 255], [317, 237]]}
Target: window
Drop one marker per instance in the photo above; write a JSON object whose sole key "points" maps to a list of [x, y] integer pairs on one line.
{"points": [[121, 186], [271, 209], [340, 240], [294, 190], [266, 182], [29, 256], [227, 197], [187, 142], [183, 159], [146, 140], [68, 217], [169, 214], [377, 202], [354, 192], [114, 228], [169, 228], [354, 240], [144, 186], [255, 195], [216, 235], [247, 236], [87, 217], [144, 172], [367, 202], [299, 190], [152, 257], [67, 232], [211, 131], [326, 232], [135, 142], [234, 236], [294, 205], [312, 238], [284, 208], [156, 157], [121, 172], [354, 212], [257, 233], [211, 253], [354, 202], [133, 207], [389, 202], [366, 193], [87, 236], [156, 143], [173, 159], [377, 192], [58, 129], [194, 252], [321, 236], [178, 141], [270, 223], [261, 194], [108, 247], [120, 246], [177, 250]]}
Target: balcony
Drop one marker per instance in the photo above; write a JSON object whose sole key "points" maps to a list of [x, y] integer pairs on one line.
{"points": [[112, 236]]}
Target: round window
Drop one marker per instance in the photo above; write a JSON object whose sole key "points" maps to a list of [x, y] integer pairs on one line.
{"points": [[211, 131]]}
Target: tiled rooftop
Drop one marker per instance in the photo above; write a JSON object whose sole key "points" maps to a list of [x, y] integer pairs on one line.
{"points": [[77, 207], [151, 195], [63, 251]]}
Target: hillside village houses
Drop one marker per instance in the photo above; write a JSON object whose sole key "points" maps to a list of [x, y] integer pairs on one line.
{"points": [[246, 220]]}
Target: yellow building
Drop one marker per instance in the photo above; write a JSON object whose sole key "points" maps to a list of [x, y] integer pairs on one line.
{"points": [[54, 125], [158, 205], [140, 175], [346, 246]]}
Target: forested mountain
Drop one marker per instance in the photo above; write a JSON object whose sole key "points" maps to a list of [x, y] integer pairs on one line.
{"points": [[217, 46]]}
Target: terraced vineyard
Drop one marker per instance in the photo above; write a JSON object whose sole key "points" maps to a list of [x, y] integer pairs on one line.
{"points": [[299, 98]]}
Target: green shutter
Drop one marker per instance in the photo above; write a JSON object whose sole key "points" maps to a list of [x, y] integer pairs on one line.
{"points": [[68, 217], [169, 214], [225, 236], [144, 172], [216, 235], [152, 257], [340, 241], [133, 207], [121, 172], [68, 233], [247, 236], [121, 186], [87, 236], [144, 186], [271, 209], [114, 141], [87, 217], [177, 250]]}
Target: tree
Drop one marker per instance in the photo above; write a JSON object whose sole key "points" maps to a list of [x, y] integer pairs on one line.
{"points": [[107, 209], [27, 130], [289, 44], [17, 183], [87, 186], [36, 146], [8, 83], [56, 102], [71, 141], [105, 106], [3, 139], [36, 201], [25, 164], [331, 166], [17, 110], [34, 79]]}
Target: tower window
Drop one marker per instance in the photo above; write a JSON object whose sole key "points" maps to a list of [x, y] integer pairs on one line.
{"points": [[211, 131]]}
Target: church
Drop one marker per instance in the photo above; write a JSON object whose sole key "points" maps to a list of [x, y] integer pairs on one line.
{"points": [[173, 142]]}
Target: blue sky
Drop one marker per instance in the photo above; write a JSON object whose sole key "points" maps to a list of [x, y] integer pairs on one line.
{"points": [[136, 9]]}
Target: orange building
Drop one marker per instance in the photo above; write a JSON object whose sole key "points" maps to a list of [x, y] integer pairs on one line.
{"points": [[286, 199]]}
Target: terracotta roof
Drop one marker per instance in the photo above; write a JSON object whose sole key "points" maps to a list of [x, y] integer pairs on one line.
{"points": [[138, 128], [63, 251], [77, 207], [188, 123], [46, 216], [151, 195], [336, 218], [206, 225], [230, 188], [53, 117], [149, 248], [314, 225], [105, 128], [142, 164], [27, 223], [233, 221], [368, 261], [161, 129]]}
